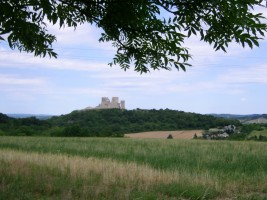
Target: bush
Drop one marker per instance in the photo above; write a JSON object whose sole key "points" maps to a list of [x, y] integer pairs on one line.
{"points": [[56, 131], [262, 138], [2, 133], [170, 136]]}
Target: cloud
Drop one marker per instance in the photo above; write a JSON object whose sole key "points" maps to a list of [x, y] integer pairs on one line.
{"points": [[83, 35], [29, 61], [108, 81], [255, 74], [11, 79]]}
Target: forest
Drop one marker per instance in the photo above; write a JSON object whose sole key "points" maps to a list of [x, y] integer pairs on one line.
{"points": [[110, 122]]}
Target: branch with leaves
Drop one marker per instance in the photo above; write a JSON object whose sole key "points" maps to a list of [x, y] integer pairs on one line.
{"points": [[148, 34]]}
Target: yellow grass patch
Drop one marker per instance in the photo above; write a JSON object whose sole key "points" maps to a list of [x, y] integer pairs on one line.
{"points": [[183, 134], [111, 171]]}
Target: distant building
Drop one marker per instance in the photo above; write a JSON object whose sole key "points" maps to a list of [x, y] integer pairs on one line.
{"points": [[107, 104], [223, 135], [230, 129], [220, 133]]}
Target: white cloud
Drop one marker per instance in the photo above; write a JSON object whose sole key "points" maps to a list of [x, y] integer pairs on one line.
{"points": [[28, 61], [11, 79], [84, 35], [255, 74]]}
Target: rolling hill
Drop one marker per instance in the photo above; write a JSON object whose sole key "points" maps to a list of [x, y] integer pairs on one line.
{"points": [[110, 122], [245, 119], [116, 121]]}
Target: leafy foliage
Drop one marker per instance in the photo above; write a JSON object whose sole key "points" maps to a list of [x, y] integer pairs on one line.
{"points": [[246, 130], [24, 126], [147, 33]]}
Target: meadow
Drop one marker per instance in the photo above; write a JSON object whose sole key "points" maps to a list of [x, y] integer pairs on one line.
{"points": [[257, 133], [124, 168]]}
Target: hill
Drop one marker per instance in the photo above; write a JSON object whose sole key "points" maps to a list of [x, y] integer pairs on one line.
{"points": [[116, 122], [255, 119], [38, 116], [245, 119], [4, 118], [22, 126], [110, 122], [260, 120]]}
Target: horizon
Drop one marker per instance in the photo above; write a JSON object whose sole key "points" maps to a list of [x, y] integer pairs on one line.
{"points": [[217, 82]]}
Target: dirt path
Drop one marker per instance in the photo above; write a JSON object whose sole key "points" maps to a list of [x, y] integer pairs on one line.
{"points": [[183, 134]]}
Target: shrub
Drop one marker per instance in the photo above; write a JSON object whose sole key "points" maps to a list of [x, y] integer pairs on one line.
{"points": [[2, 133], [170, 136]]}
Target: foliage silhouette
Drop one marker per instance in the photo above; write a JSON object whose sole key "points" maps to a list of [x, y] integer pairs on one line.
{"points": [[146, 33]]}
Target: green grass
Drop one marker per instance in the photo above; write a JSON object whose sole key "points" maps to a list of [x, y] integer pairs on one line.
{"points": [[258, 133], [192, 169]]}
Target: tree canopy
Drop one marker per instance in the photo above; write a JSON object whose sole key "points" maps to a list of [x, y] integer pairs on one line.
{"points": [[147, 34], [110, 122]]}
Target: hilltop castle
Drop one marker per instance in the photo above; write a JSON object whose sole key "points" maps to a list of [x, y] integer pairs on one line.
{"points": [[107, 104]]}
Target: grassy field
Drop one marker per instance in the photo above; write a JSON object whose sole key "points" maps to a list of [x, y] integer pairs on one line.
{"points": [[258, 133], [121, 168]]}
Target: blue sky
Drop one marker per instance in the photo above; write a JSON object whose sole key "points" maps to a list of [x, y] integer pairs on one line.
{"points": [[234, 83]]}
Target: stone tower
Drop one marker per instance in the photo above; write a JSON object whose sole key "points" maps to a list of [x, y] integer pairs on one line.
{"points": [[105, 102], [122, 104], [115, 102]]}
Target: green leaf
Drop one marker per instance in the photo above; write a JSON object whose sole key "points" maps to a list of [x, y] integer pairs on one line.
{"points": [[189, 33], [54, 18], [165, 61], [243, 43], [249, 43], [223, 48], [255, 42], [194, 31], [61, 22]]}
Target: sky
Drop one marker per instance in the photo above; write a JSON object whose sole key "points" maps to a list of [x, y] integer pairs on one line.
{"points": [[234, 82]]}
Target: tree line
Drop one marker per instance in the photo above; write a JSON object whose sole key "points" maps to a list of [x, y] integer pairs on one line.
{"points": [[110, 122]]}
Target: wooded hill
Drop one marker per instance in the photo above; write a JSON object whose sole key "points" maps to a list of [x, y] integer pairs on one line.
{"points": [[111, 122], [22, 126], [245, 119]]}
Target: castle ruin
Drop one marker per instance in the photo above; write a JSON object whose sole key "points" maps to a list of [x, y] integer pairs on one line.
{"points": [[107, 104]]}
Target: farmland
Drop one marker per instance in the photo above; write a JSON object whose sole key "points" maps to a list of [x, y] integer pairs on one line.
{"points": [[182, 134], [125, 168]]}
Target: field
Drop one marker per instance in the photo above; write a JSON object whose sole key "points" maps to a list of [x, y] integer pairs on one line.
{"points": [[125, 168], [262, 132], [186, 134]]}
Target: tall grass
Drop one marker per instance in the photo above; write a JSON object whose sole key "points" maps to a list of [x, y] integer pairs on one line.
{"points": [[102, 174], [155, 169]]}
